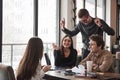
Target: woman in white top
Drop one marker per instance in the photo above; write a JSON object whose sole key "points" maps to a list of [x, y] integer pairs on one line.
{"points": [[30, 66]]}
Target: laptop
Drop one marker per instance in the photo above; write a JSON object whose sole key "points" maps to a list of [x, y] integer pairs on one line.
{"points": [[47, 59]]}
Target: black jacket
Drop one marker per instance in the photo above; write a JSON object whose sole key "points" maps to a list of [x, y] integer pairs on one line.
{"points": [[61, 61]]}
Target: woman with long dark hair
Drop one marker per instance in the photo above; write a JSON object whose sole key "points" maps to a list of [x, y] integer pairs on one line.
{"points": [[65, 55], [30, 66]]}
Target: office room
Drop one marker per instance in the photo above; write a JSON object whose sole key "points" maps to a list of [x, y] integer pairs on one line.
{"points": [[21, 20]]}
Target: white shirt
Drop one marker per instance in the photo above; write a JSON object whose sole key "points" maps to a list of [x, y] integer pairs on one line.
{"points": [[39, 74]]}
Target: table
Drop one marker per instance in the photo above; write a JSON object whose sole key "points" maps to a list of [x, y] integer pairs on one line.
{"points": [[109, 75], [59, 75]]}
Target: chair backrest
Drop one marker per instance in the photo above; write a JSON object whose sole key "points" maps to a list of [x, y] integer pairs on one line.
{"points": [[117, 66], [6, 72], [47, 59]]}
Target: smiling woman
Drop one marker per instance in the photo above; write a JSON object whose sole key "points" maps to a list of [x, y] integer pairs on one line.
{"points": [[65, 55]]}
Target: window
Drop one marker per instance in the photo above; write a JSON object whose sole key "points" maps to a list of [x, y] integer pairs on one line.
{"points": [[47, 25], [100, 9], [17, 29], [79, 37], [90, 6], [18, 25]]}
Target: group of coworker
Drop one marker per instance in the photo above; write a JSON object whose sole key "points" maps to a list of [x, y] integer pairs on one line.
{"points": [[92, 29]]}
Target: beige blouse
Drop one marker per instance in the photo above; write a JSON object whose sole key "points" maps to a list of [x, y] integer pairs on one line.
{"points": [[102, 60]]}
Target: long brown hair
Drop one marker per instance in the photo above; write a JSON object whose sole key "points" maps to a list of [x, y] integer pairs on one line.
{"points": [[30, 60]]}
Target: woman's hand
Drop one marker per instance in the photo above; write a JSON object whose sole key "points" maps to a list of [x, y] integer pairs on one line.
{"points": [[54, 46], [95, 66], [46, 68]]}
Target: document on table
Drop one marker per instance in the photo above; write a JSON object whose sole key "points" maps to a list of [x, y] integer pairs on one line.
{"points": [[80, 69]]}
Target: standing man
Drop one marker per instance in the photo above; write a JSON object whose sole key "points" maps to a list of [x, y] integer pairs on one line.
{"points": [[87, 26]]}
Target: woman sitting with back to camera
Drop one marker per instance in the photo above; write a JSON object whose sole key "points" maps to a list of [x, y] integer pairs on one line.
{"points": [[30, 67], [66, 55]]}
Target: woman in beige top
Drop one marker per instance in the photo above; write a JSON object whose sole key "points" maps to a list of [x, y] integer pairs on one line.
{"points": [[102, 59]]}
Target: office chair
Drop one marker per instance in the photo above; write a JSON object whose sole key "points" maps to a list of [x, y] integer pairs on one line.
{"points": [[47, 59], [6, 72], [117, 65]]}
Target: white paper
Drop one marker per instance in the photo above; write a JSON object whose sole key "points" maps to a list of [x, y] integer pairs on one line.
{"points": [[80, 69]]}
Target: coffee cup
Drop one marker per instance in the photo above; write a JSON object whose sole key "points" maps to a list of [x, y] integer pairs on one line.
{"points": [[89, 65]]}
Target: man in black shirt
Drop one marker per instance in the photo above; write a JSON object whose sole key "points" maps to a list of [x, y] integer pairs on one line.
{"points": [[87, 26]]}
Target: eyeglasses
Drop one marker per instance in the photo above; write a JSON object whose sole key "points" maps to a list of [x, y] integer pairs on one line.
{"points": [[84, 19]]}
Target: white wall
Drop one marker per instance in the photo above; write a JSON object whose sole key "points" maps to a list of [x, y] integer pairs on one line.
{"points": [[67, 13], [108, 21]]}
